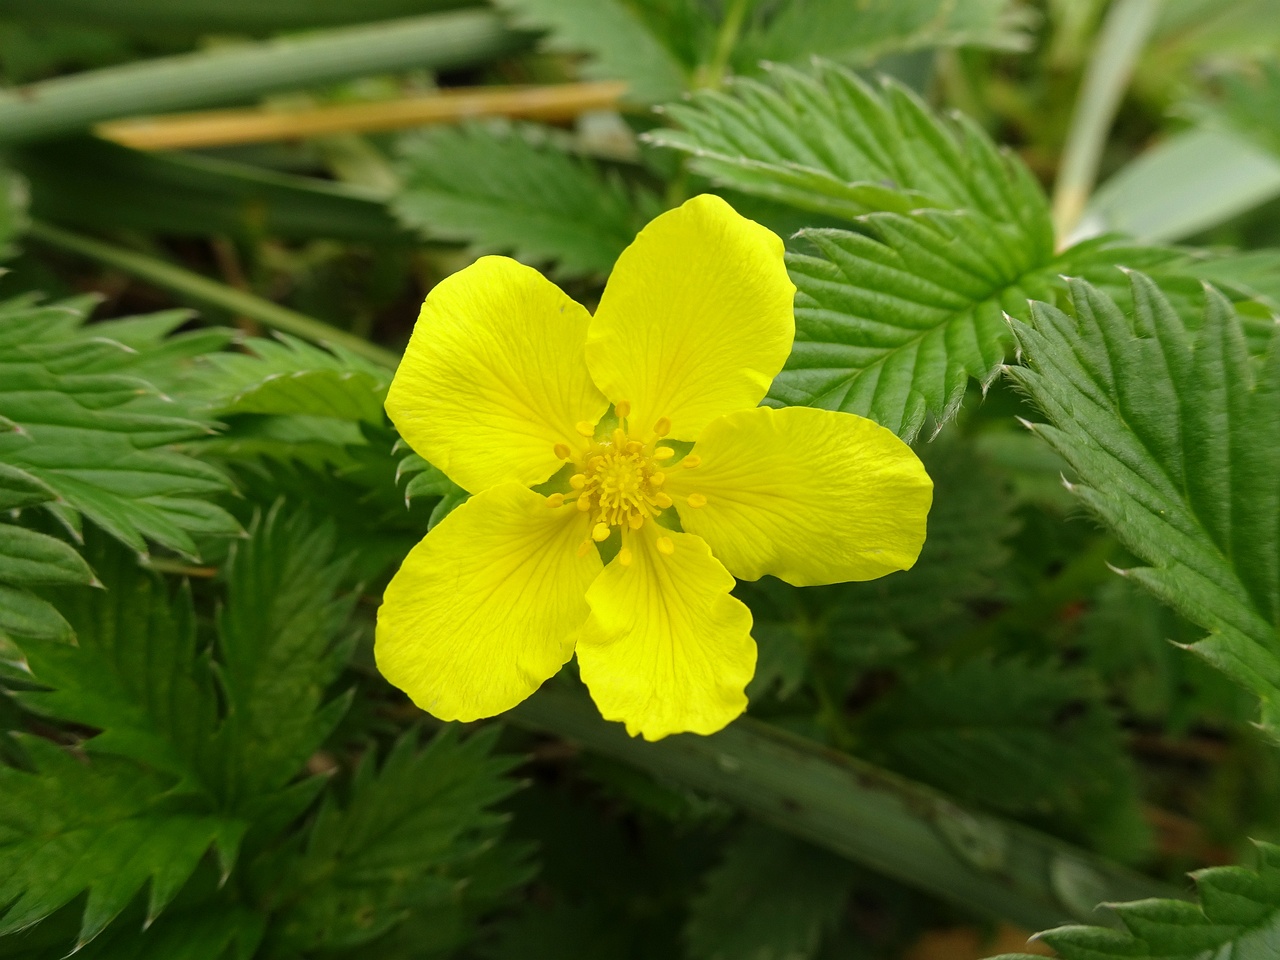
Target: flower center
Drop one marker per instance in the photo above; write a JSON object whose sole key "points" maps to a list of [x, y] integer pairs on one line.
{"points": [[619, 480]]}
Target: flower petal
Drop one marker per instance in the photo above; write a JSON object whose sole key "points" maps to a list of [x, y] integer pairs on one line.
{"points": [[810, 496], [486, 607], [696, 319], [667, 649], [494, 376]]}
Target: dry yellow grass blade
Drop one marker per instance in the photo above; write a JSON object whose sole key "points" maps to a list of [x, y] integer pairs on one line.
{"points": [[214, 128]]}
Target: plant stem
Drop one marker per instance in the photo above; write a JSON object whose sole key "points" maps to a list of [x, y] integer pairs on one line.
{"points": [[68, 104], [711, 74], [899, 828], [1120, 41], [187, 131], [192, 286]]}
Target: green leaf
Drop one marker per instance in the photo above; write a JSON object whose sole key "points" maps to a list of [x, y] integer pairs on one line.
{"points": [[1175, 439], [281, 644], [1023, 739], [23, 614], [92, 183], [134, 672], [830, 143], [105, 827], [216, 16], [1188, 183], [1238, 917], [288, 377], [406, 841], [858, 35], [894, 327], [28, 558], [770, 898], [622, 45], [90, 431], [515, 190]]}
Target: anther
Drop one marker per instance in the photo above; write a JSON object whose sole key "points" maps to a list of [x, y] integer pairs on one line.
{"points": [[697, 500], [584, 548], [663, 453], [624, 557], [562, 451], [584, 504], [578, 481], [634, 447], [658, 479], [666, 546], [555, 500], [623, 409], [663, 426], [636, 521], [600, 532], [662, 500], [691, 461], [586, 429]]}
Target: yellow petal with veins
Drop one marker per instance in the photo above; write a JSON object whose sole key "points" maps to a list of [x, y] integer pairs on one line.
{"points": [[809, 496], [494, 377], [696, 319], [486, 607], [667, 649]]}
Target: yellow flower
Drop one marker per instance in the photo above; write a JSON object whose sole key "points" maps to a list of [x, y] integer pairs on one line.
{"points": [[507, 384]]}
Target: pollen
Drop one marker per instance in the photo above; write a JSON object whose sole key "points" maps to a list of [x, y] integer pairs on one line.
{"points": [[618, 480]]}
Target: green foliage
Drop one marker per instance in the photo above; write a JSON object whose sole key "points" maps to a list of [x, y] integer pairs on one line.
{"points": [[282, 640], [858, 35], [518, 191], [97, 184], [288, 377], [1237, 918], [107, 827], [409, 836], [197, 748], [84, 435], [618, 36], [770, 898], [1180, 464], [1030, 740], [832, 144], [217, 16]]}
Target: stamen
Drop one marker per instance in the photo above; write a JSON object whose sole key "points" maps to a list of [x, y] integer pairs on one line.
{"points": [[666, 546], [658, 479], [663, 453], [601, 532], [562, 451], [584, 548], [691, 461], [584, 504], [624, 557], [588, 430], [663, 426], [555, 500], [578, 481], [636, 521], [697, 500], [623, 409], [662, 500]]}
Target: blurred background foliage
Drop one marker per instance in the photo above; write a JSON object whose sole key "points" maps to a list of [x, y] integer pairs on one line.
{"points": [[197, 758]]}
